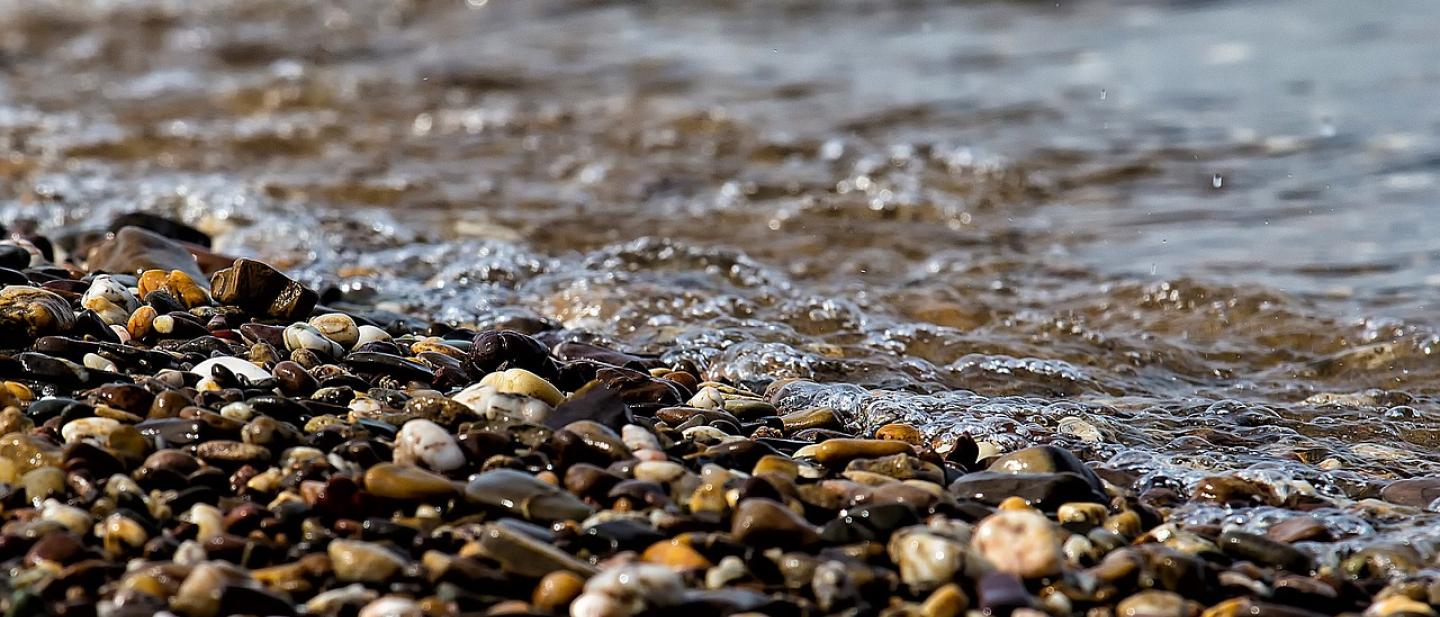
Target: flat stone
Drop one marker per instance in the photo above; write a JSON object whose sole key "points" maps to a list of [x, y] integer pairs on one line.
{"points": [[29, 312]]}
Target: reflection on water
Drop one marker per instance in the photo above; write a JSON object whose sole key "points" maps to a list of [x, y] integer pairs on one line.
{"points": [[1184, 238]]}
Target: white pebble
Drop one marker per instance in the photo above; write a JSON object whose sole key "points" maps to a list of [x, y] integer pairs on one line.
{"points": [[637, 438], [95, 428], [337, 327], [597, 605], [636, 586], [424, 442], [99, 363], [371, 334], [1021, 542], [491, 404], [110, 300], [392, 606], [306, 336], [238, 366]]}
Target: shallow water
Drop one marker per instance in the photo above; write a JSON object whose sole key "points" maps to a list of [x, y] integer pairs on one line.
{"points": [[1179, 237]]}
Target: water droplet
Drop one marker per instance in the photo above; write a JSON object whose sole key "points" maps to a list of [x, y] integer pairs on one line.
{"points": [[1217, 181], [1103, 94]]}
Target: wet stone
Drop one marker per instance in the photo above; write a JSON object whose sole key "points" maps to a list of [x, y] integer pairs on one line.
{"points": [[27, 312], [764, 522], [520, 494], [262, 290], [135, 249]]}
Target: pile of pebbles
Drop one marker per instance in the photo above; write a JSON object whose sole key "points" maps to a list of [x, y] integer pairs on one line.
{"points": [[191, 435]]}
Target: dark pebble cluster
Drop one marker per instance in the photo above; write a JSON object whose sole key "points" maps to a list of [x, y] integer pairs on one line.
{"points": [[193, 435]]}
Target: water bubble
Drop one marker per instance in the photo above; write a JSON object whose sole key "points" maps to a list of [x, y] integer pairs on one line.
{"points": [[1217, 181], [1103, 94]]}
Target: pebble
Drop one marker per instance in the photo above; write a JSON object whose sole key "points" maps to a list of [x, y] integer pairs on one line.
{"points": [[134, 249], [522, 382], [557, 590], [305, 336], [422, 442], [261, 289], [839, 452], [634, 587], [1020, 542], [521, 494], [928, 560], [407, 483], [337, 327], [766, 523], [238, 366], [363, 562], [29, 312], [392, 606]]}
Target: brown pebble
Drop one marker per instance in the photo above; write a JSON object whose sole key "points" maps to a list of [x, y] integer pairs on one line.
{"points": [[557, 590], [838, 452]]}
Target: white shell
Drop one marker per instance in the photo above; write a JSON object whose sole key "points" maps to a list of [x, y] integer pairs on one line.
{"points": [[236, 365]]}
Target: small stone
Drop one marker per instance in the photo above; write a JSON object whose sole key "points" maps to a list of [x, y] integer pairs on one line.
{"points": [[305, 336], [521, 494], [133, 250], [371, 334], [1023, 543], [93, 428], [392, 606], [947, 601], [523, 382], [338, 327], [363, 562], [405, 482], [766, 523], [637, 586], [1413, 492], [557, 590], [928, 560], [1046, 459], [1399, 605], [1299, 529], [677, 554], [262, 290], [238, 366], [501, 408], [1155, 603], [1262, 550], [110, 300], [422, 442], [525, 556], [29, 312], [838, 452]]}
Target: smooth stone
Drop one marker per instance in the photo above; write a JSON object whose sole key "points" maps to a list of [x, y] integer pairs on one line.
{"points": [[1046, 491], [521, 494], [170, 228], [493, 348], [134, 250], [305, 336], [927, 560], [262, 290], [675, 553], [407, 483], [337, 327], [392, 606], [557, 590], [422, 442], [1154, 603], [767, 523], [232, 453], [947, 601], [1021, 542], [1263, 550], [839, 452], [1047, 459], [638, 586], [526, 556], [489, 403], [28, 312], [363, 562], [1413, 492], [1299, 529], [523, 382], [238, 366], [900, 467], [814, 417]]}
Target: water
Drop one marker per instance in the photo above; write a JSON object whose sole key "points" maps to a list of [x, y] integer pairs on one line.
{"points": [[1222, 262]]}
